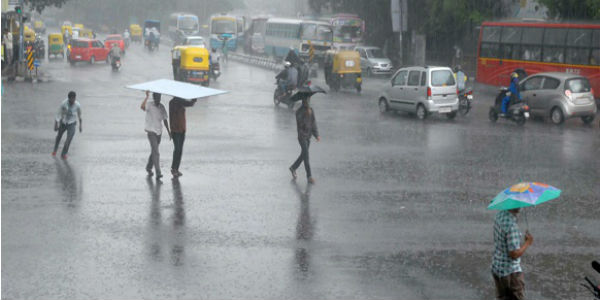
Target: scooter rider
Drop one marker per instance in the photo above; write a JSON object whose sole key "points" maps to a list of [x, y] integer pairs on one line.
{"points": [[115, 53], [214, 58], [286, 76], [514, 92]]}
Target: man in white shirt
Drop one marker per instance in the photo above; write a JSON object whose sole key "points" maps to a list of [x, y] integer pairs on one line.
{"points": [[66, 120], [155, 113]]}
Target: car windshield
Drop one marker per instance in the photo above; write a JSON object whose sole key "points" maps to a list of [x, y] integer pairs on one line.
{"points": [[223, 26], [578, 85], [442, 78], [199, 42], [79, 44], [188, 23], [375, 53], [348, 32]]}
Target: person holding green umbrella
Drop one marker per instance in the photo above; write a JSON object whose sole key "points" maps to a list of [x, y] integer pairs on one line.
{"points": [[506, 261]]}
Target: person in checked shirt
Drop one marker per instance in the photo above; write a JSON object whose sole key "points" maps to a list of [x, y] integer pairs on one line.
{"points": [[506, 262]]}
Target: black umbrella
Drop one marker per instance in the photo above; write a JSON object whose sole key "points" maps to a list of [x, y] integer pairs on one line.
{"points": [[307, 91]]}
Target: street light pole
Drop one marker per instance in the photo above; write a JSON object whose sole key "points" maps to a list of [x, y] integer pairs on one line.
{"points": [[21, 30]]}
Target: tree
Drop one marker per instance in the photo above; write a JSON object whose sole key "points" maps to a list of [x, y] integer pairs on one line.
{"points": [[586, 10], [40, 5]]}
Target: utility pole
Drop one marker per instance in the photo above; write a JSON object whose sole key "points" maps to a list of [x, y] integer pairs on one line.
{"points": [[19, 10]]}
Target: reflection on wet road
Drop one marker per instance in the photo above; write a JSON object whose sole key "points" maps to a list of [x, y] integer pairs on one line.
{"points": [[398, 210]]}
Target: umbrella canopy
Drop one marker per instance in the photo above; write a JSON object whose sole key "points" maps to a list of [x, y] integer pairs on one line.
{"points": [[524, 194], [307, 91], [174, 88]]}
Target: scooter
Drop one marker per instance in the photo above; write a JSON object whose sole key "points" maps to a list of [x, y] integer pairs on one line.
{"points": [[215, 71], [518, 110], [283, 94], [115, 63], [464, 101], [591, 286]]}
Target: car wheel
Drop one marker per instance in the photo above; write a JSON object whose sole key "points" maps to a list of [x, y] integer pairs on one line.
{"points": [[383, 106], [421, 112], [587, 119], [493, 115], [92, 60], [451, 115], [557, 116]]}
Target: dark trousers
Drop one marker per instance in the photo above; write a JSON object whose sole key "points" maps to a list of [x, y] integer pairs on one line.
{"points": [[70, 129], [304, 144], [178, 139], [510, 287], [154, 159]]}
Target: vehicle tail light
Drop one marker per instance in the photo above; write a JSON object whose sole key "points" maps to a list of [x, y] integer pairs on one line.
{"points": [[470, 93], [592, 91], [308, 83], [428, 93], [568, 93], [526, 107], [457, 91]]}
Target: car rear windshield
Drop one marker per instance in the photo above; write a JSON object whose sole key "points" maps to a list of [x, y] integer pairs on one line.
{"points": [[578, 85], [113, 38], [442, 78], [79, 44]]}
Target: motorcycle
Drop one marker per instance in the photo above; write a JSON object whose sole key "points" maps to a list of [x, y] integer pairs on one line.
{"points": [[518, 110], [115, 63], [464, 101], [215, 71], [591, 286], [283, 94]]}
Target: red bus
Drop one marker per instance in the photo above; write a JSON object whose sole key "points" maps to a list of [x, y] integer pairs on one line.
{"points": [[504, 47]]}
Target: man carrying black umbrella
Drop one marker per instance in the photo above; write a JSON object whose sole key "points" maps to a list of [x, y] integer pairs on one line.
{"points": [[307, 127]]}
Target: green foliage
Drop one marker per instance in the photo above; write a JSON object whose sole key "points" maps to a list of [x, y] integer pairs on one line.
{"points": [[40, 5], [584, 10]]}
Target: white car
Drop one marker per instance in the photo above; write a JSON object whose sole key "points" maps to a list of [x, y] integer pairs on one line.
{"points": [[421, 90], [373, 62]]}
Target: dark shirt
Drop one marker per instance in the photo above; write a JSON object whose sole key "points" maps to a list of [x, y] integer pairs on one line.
{"points": [[307, 125], [177, 114]]}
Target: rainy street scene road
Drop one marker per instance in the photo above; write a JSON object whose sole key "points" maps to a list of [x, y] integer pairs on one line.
{"points": [[404, 200]]}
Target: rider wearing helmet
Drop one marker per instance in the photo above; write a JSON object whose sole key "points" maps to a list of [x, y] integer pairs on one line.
{"points": [[285, 77], [514, 91]]}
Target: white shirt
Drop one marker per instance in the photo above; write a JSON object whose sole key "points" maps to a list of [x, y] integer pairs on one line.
{"points": [[8, 42], [155, 115], [67, 114]]}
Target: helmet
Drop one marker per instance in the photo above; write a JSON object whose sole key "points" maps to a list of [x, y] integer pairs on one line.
{"points": [[514, 75], [287, 64]]}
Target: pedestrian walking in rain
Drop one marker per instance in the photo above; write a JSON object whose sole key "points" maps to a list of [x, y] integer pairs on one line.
{"points": [[506, 261], [66, 120], [156, 116], [307, 127], [177, 119]]}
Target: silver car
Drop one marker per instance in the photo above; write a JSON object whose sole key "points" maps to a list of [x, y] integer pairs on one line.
{"points": [[421, 90], [559, 96], [373, 62]]}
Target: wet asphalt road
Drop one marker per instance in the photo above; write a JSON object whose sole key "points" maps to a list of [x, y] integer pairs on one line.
{"points": [[398, 211]]}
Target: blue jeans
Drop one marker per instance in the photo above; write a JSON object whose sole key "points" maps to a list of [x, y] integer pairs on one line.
{"points": [[505, 102], [70, 129]]}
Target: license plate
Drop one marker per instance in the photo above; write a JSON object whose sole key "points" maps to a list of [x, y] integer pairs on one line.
{"points": [[78, 56], [526, 115], [470, 97], [444, 110]]}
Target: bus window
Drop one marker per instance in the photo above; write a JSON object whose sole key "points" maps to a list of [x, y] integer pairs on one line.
{"points": [[511, 37], [531, 41], [490, 50], [595, 55], [578, 43], [554, 45], [309, 31], [489, 42], [491, 34]]}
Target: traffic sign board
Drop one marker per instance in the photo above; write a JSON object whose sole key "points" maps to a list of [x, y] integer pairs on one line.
{"points": [[14, 2], [36, 63]]}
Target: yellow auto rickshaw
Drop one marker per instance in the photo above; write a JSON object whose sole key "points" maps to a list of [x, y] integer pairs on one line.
{"points": [[56, 45], [86, 33], [191, 64], [28, 35], [342, 69], [79, 26], [38, 26], [136, 33], [66, 28]]}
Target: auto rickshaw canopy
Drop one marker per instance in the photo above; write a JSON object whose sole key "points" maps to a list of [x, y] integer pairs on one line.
{"points": [[344, 61]]}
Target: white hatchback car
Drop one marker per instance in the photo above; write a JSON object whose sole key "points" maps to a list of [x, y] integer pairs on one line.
{"points": [[421, 90]]}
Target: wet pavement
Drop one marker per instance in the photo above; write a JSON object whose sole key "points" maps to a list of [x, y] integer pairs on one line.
{"points": [[398, 210]]}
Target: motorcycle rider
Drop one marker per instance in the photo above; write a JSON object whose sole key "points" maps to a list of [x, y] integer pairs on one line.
{"points": [[115, 54], [126, 37], [461, 78], [214, 58], [288, 77], [514, 92]]}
